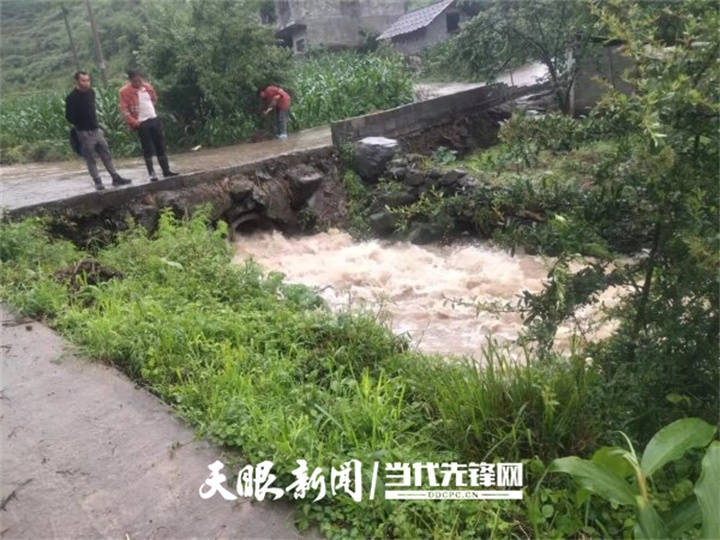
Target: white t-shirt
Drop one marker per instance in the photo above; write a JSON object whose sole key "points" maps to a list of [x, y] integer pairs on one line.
{"points": [[146, 109]]}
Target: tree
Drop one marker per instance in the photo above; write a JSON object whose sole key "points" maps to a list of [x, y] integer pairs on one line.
{"points": [[669, 127], [209, 58], [662, 172], [510, 32]]}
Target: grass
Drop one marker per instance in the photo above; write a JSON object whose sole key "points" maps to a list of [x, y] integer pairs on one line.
{"points": [[261, 367]]}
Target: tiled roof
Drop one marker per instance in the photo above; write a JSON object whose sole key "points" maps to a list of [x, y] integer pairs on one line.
{"points": [[415, 20]]}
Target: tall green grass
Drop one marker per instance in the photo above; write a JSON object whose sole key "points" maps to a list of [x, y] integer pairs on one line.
{"points": [[260, 366]]}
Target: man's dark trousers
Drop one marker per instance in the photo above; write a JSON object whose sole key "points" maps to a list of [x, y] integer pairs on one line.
{"points": [[152, 139]]}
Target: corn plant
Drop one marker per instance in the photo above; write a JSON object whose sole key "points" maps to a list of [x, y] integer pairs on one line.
{"points": [[331, 87]]}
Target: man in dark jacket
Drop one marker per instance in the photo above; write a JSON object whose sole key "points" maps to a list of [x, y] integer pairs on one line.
{"points": [[80, 112]]}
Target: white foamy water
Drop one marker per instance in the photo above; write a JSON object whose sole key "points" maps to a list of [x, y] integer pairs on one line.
{"points": [[412, 286]]}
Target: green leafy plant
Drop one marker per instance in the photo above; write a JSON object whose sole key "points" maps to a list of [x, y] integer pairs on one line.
{"points": [[444, 156], [622, 477], [333, 86]]}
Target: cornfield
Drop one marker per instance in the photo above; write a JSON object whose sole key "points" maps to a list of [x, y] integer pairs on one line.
{"points": [[334, 86], [33, 127]]}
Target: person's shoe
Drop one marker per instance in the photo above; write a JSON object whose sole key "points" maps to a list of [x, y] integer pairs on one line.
{"points": [[282, 136], [120, 181], [153, 177], [165, 166], [99, 185]]}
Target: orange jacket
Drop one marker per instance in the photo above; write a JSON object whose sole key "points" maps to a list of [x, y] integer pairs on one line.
{"points": [[129, 103]]}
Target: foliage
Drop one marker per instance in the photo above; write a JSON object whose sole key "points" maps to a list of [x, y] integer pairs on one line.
{"points": [[333, 86], [606, 475], [259, 366], [672, 316], [357, 198], [36, 48], [647, 186], [211, 58], [444, 156], [508, 33], [430, 207]]}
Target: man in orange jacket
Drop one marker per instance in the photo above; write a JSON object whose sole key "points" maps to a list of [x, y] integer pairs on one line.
{"points": [[137, 104]]}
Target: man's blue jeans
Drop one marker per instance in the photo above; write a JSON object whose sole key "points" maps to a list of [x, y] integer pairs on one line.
{"points": [[282, 122]]}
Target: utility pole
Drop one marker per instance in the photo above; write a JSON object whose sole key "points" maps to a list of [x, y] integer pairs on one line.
{"points": [[72, 41], [98, 50]]}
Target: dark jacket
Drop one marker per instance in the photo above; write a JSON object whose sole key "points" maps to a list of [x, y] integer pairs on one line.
{"points": [[80, 110]]}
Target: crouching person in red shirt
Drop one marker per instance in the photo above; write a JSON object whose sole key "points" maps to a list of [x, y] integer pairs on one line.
{"points": [[278, 100], [137, 105]]}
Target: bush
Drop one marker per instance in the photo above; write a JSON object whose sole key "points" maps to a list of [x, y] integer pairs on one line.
{"points": [[210, 59]]}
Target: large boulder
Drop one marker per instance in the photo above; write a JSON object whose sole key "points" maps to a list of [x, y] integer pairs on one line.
{"points": [[425, 233], [275, 197], [383, 223], [304, 181], [372, 155]]}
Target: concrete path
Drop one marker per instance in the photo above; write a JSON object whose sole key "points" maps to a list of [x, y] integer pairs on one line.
{"points": [[34, 183], [87, 454], [37, 183], [526, 75]]}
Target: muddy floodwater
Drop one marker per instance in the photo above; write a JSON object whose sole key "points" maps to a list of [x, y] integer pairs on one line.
{"points": [[415, 288]]}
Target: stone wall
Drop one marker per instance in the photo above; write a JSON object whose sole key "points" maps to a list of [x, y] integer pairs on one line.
{"points": [[337, 23], [462, 121], [273, 192]]}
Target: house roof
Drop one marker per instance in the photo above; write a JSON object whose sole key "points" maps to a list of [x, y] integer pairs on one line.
{"points": [[415, 20]]}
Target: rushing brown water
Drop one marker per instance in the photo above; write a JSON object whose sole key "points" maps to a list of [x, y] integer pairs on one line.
{"points": [[412, 287]]}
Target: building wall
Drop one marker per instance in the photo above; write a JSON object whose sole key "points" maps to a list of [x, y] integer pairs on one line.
{"points": [[609, 66], [415, 42], [337, 23]]}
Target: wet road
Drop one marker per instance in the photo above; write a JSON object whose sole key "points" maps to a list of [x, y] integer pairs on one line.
{"points": [[35, 183], [525, 75]]}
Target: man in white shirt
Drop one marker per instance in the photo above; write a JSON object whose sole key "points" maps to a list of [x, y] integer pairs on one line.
{"points": [[137, 104]]}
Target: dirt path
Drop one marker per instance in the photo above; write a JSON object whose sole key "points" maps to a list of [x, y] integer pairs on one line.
{"points": [[35, 183], [85, 453]]}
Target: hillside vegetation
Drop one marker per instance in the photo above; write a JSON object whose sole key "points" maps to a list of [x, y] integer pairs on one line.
{"points": [[36, 54]]}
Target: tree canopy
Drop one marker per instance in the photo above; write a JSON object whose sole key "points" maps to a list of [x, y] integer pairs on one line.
{"points": [[508, 33], [211, 57]]}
